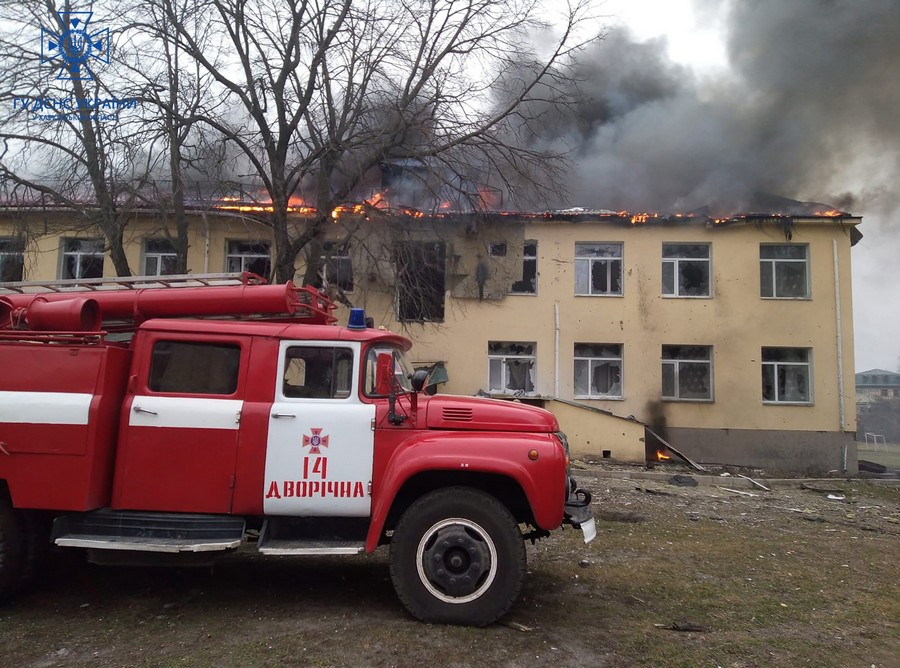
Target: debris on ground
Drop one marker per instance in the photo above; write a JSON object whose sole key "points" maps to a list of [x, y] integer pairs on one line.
{"points": [[689, 627]]}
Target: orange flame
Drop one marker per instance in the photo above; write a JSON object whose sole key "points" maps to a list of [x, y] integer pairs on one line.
{"points": [[641, 217], [378, 200], [661, 456], [488, 198]]}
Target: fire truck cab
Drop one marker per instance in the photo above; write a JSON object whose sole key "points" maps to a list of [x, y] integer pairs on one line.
{"points": [[140, 421]]}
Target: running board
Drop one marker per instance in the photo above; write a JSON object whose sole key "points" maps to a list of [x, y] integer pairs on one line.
{"points": [[286, 536], [148, 532], [309, 547], [144, 544]]}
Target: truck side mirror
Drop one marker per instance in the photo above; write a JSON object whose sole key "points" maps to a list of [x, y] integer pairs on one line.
{"points": [[418, 379], [384, 374]]}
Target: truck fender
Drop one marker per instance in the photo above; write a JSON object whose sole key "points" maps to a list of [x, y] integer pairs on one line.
{"points": [[502, 454]]}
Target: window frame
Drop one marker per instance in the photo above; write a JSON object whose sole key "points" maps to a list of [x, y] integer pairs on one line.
{"points": [[504, 358], [334, 392], [12, 252], [610, 261], [420, 294], [773, 273], [158, 256], [532, 260], [675, 263], [403, 370], [233, 345], [78, 254], [776, 365], [333, 255], [591, 360], [678, 365], [247, 258]]}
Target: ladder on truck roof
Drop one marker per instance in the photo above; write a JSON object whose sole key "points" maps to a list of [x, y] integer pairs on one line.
{"points": [[120, 304], [131, 283]]}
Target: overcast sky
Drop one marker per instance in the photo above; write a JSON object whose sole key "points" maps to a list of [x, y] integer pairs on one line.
{"points": [[800, 98]]}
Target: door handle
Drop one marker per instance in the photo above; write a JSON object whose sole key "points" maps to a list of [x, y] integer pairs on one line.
{"points": [[138, 409], [283, 415]]}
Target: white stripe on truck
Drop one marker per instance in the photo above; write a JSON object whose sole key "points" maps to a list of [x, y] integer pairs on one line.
{"points": [[44, 407], [185, 412]]}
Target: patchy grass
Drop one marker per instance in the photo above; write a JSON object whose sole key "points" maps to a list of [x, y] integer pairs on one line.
{"points": [[886, 455], [767, 586], [765, 595]]}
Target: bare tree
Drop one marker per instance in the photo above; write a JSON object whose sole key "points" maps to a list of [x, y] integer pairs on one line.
{"points": [[324, 91], [175, 87], [66, 140]]}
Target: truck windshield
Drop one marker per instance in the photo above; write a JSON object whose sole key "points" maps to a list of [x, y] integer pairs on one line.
{"points": [[402, 368]]}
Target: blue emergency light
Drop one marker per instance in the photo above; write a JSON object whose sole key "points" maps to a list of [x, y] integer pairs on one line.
{"points": [[357, 319]]}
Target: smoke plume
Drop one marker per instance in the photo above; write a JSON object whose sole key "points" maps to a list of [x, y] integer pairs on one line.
{"points": [[806, 110]]}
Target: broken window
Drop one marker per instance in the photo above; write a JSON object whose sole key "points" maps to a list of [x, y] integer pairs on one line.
{"points": [[252, 256], [336, 267], [82, 258], [598, 269], [420, 281], [685, 270], [528, 283], [784, 271], [511, 367], [598, 370], [497, 249], [786, 375], [687, 373], [160, 258], [12, 260]]}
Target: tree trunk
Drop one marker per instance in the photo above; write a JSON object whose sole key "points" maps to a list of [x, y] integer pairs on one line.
{"points": [[114, 237]]}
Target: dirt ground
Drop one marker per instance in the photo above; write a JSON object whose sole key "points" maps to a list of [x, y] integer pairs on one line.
{"points": [[678, 576]]}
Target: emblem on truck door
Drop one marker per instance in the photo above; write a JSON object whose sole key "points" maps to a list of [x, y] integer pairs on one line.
{"points": [[315, 441]]}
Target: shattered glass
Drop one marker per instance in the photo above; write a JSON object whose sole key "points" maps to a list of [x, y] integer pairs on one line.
{"points": [[686, 270]]}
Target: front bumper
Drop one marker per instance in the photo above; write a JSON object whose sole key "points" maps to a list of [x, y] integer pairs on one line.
{"points": [[578, 510]]}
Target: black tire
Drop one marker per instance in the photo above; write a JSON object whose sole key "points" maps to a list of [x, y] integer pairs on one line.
{"points": [[12, 550], [457, 557], [35, 530]]}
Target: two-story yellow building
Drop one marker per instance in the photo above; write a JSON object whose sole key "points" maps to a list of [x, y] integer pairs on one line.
{"points": [[732, 340]]}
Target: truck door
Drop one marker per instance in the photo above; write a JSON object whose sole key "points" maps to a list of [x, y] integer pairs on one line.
{"points": [[320, 444], [179, 431]]}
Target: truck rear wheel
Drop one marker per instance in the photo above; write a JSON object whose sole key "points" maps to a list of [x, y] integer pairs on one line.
{"points": [[12, 550], [34, 527], [457, 557]]}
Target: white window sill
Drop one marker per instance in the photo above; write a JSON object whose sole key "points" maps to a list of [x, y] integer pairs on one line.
{"points": [[600, 398]]}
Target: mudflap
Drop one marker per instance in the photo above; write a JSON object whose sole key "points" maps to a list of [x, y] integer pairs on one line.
{"points": [[578, 511]]}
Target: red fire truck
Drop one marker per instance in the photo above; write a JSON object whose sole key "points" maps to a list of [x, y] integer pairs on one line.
{"points": [[181, 419]]}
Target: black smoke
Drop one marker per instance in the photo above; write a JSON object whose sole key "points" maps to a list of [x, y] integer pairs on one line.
{"points": [[807, 109]]}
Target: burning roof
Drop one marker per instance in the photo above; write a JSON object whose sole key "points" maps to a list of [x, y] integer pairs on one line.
{"points": [[763, 208]]}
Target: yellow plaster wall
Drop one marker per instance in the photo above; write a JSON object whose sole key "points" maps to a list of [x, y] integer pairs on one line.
{"points": [[208, 237], [590, 432], [735, 321]]}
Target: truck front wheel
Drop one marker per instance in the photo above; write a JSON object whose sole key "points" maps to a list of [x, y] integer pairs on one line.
{"points": [[457, 557]]}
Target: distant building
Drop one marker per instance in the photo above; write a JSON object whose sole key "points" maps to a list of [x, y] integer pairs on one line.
{"points": [[732, 339], [878, 384], [878, 406]]}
